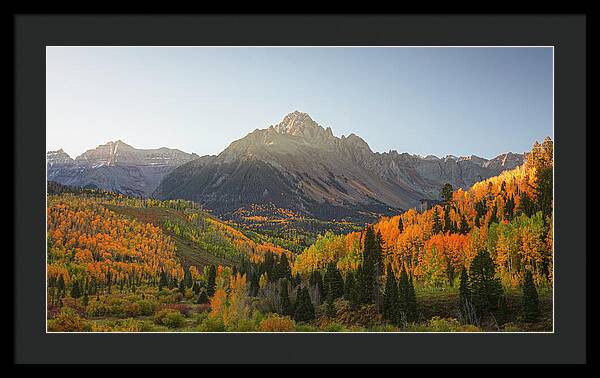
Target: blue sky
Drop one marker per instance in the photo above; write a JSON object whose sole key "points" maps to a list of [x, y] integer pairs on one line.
{"points": [[440, 101]]}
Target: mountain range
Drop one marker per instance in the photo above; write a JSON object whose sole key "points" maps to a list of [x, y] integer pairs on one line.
{"points": [[116, 166], [300, 165], [296, 165]]}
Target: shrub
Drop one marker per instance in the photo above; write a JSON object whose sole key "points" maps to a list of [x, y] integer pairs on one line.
{"points": [[131, 309], [53, 310], [121, 325], [277, 323], [147, 307], [242, 325], [202, 308], [182, 308], [173, 319], [438, 324], [160, 315], [334, 327], [211, 324], [303, 327], [68, 320], [511, 327], [98, 308], [363, 316], [129, 325], [101, 327]]}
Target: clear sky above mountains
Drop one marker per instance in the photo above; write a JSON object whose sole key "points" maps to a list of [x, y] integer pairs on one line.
{"points": [[460, 101]]}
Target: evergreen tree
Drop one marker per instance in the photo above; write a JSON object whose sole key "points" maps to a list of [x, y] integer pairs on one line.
{"points": [[402, 295], [400, 225], [196, 288], [330, 305], [268, 265], [526, 205], [75, 291], [379, 255], [163, 280], [254, 285], [284, 298], [366, 272], [446, 193], [486, 289], [447, 220], [391, 311], [305, 310], [317, 280], [333, 281], [407, 300], [85, 300], [494, 214], [543, 191], [350, 288], [501, 313], [480, 210], [212, 281], [284, 268], [464, 292], [531, 305], [60, 285], [437, 225], [182, 286], [202, 298], [509, 208], [187, 276], [411, 301], [297, 280]]}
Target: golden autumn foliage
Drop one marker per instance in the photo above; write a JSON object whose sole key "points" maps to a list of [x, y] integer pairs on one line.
{"points": [[493, 221], [87, 241]]}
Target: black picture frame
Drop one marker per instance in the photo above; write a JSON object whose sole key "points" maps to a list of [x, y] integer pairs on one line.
{"points": [[568, 35]]}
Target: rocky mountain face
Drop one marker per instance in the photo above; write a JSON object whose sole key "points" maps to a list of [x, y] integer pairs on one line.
{"points": [[116, 166], [301, 166]]}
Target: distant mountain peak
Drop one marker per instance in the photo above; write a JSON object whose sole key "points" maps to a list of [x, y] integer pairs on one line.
{"points": [[298, 124]]}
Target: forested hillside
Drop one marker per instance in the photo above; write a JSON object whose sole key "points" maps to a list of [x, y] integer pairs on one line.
{"points": [[509, 216]]}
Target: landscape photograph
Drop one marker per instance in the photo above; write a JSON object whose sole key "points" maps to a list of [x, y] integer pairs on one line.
{"points": [[299, 189]]}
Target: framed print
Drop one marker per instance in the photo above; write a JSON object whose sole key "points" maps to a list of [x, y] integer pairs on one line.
{"points": [[269, 195]]}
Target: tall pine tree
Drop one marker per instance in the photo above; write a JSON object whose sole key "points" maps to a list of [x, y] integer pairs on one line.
{"points": [[531, 304], [305, 310], [437, 225], [391, 310], [367, 271], [333, 281], [486, 290], [211, 285], [284, 298]]}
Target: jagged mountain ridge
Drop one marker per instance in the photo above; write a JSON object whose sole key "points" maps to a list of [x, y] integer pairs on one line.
{"points": [[116, 166], [300, 165]]}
